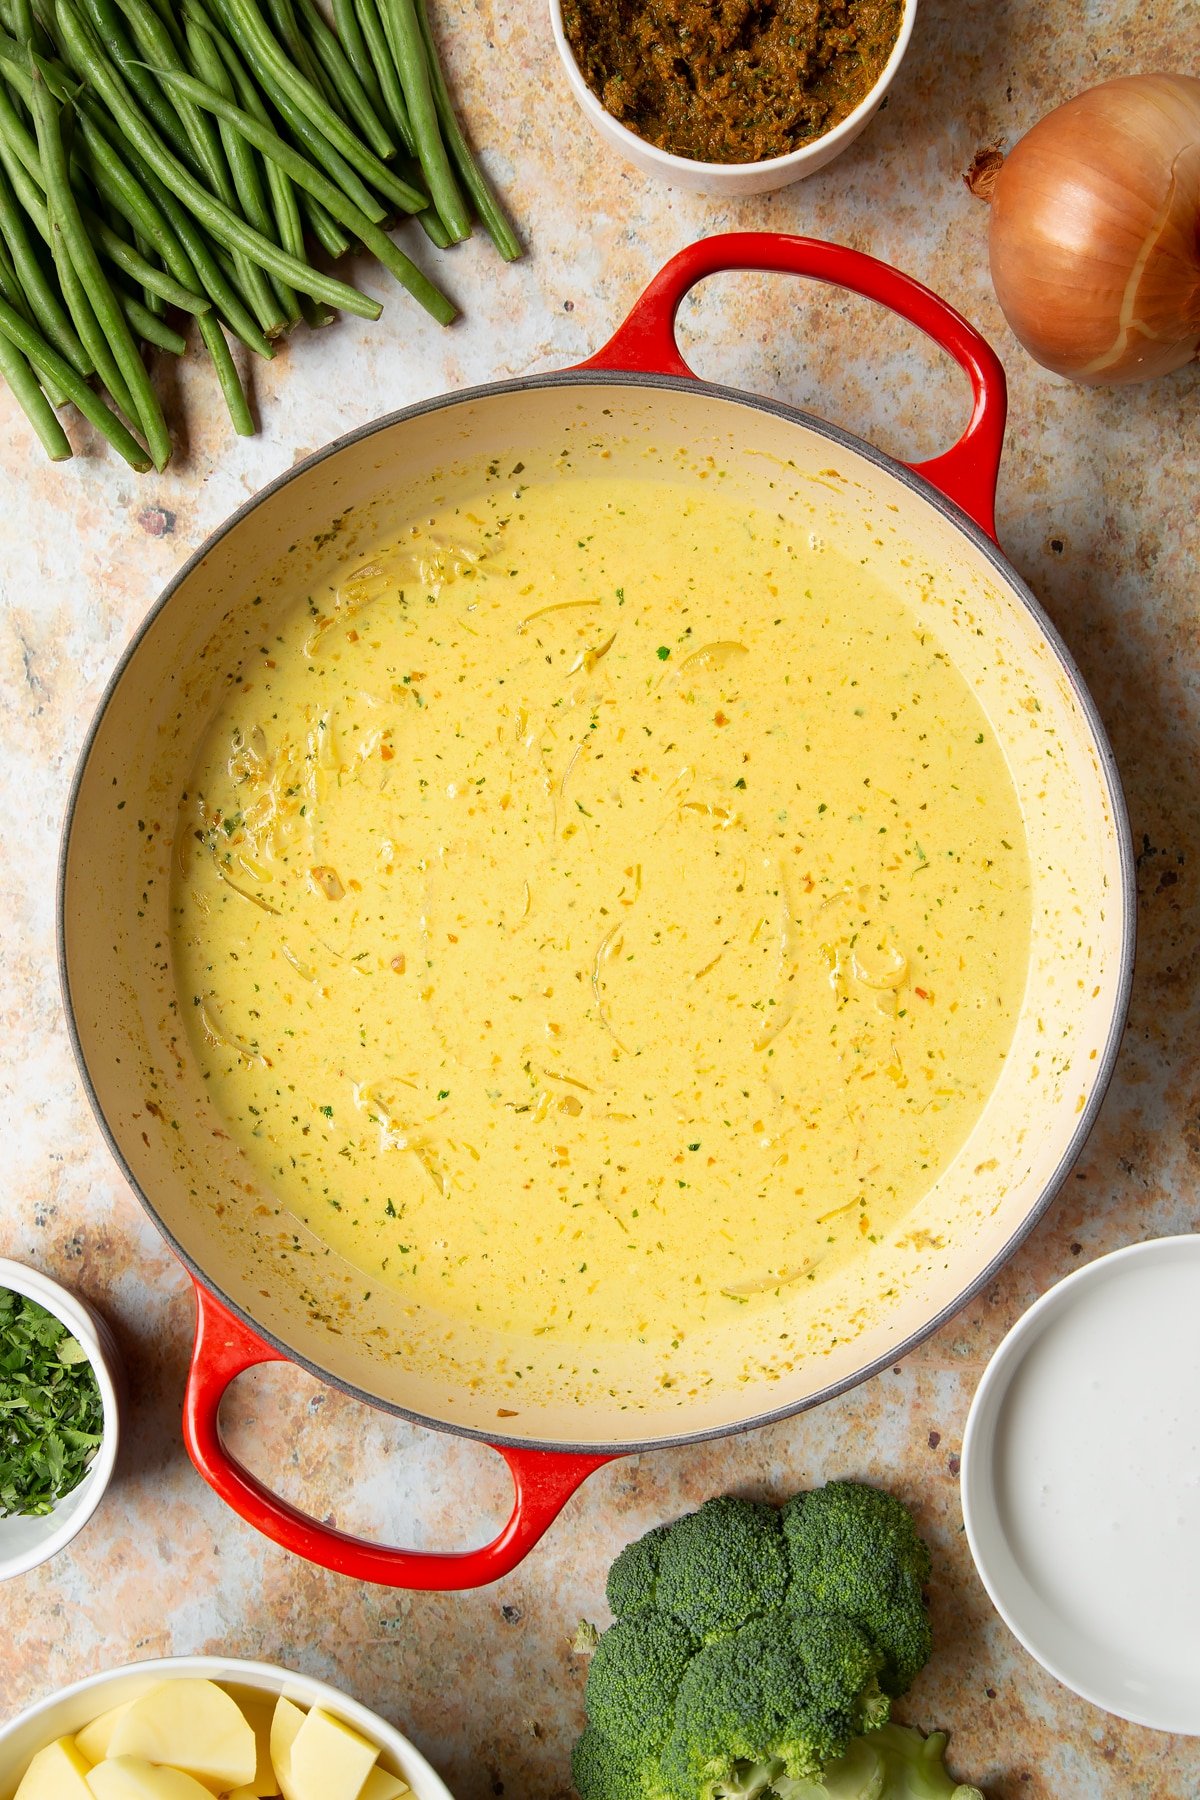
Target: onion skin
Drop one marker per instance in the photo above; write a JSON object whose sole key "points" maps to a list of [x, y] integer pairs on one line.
{"points": [[1095, 232]]}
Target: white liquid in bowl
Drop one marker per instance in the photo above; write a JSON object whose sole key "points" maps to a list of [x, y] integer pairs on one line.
{"points": [[1081, 1482]]}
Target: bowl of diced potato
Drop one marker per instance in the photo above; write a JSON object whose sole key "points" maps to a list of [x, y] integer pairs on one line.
{"points": [[195, 1727]]}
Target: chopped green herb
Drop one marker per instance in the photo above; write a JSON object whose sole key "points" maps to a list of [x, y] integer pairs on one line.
{"points": [[663, 653], [51, 1412]]}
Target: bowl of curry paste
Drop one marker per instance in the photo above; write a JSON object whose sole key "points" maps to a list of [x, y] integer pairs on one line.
{"points": [[731, 96]]}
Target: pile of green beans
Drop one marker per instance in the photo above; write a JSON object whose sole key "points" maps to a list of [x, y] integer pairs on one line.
{"points": [[182, 157]]}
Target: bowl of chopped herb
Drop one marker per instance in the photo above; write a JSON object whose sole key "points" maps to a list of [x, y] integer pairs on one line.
{"points": [[738, 100], [60, 1387]]}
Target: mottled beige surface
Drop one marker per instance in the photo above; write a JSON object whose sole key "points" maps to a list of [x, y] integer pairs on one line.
{"points": [[1097, 508]]}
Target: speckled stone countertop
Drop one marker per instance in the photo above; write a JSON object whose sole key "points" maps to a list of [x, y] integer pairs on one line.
{"points": [[1098, 509]]}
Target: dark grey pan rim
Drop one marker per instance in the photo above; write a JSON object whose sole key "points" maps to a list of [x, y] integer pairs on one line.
{"points": [[1012, 582]]}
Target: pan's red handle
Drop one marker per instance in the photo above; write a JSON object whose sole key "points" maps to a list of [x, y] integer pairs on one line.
{"points": [[646, 342], [224, 1347]]}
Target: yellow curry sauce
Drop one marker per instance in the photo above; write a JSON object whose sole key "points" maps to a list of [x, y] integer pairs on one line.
{"points": [[605, 908]]}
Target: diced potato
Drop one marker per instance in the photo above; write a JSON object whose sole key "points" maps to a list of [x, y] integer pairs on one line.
{"points": [[95, 1738], [259, 1715], [191, 1725], [56, 1773], [329, 1760], [380, 1785], [285, 1728], [133, 1778]]}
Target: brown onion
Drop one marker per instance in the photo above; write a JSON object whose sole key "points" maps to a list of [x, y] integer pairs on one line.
{"points": [[1095, 232]]}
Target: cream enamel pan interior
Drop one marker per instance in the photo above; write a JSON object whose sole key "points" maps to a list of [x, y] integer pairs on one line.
{"points": [[764, 1362]]}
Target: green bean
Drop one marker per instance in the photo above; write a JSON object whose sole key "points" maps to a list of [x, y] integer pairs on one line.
{"points": [[385, 68], [180, 242], [167, 18], [184, 270], [322, 189], [147, 325], [280, 18], [12, 291], [260, 45], [47, 306], [18, 151], [412, 64], [289, 231], [33, 202], [14, 131], [140, 247], [351, 38], [243, 164], [83, 316], [227, 375], [28, 28], [110, 152], [316, 316], [106, 21], [223, 288], [123, 256], [155, 43], [495, 220], [317, 146], [212, 337], [433, 228], [66, 219], [355, 100], [109, 174], [33, 402], [35, 347], [333, 240], [289, 228], [320, 150], [31, 190], [130, 196], [10, 283], [89, 61]]}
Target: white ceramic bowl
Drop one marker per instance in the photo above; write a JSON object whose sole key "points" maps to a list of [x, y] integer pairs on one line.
{"points": [[730, 180], [1081, 1481], [26, 1542], [72, 1708]]}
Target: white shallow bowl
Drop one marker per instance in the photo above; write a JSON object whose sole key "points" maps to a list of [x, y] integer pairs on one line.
{"points": [[1081, 1482], [26, 1542], [72, 1708], [730, 180]]}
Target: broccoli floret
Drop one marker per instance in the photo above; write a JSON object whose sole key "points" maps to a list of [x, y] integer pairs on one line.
{"points": [[854, 1552], [634, 1679], [842, 1666], [722, 1566], [633, 1578], [752, 1648], [603, 1769], [747, 1699]]}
